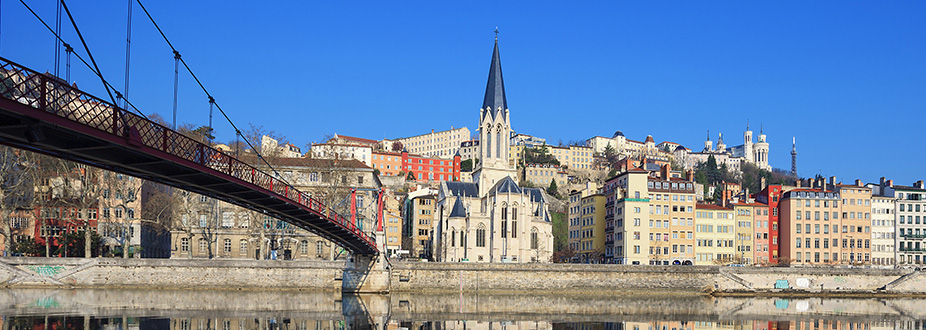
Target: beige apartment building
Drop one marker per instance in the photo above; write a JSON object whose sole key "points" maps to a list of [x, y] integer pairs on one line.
{"points": [[540, 175], [441, 144], [207, 228], [574, 157], [745, 215], [715, 235], [856, 223], [420, 227]]}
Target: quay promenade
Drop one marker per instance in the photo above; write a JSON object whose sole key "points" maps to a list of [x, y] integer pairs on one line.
{"points": [[478, 278]]}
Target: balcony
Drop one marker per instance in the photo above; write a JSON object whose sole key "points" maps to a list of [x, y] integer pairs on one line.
{"points": [[902, 249], [913, 236]]}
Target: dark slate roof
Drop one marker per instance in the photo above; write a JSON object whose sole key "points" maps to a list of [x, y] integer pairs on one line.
{"points": [[458, 211], [467, 189], [506, 185], [618, 133], [495, 88], [536, 195], [652, 167]]}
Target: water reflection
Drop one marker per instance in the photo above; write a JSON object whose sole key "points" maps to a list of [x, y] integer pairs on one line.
{"points": [[200, 309]]}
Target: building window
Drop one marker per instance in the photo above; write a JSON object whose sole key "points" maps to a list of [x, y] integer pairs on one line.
{"points": [[243, 248], [185, 244], [319, 247], [227, 245], [202, 245], [304, 247]]}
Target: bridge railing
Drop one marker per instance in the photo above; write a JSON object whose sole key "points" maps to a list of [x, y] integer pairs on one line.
{"points": [[53, 95]]}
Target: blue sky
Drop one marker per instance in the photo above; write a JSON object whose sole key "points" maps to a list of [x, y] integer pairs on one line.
{"points": [[846, 78]]}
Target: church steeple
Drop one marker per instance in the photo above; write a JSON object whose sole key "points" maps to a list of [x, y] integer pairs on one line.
{"points": [[495, 87]]}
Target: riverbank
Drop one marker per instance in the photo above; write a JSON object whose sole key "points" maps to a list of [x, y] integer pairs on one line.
{"points": [[226, 274]]}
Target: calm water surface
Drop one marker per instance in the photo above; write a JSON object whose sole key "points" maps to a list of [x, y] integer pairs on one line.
{"points": [[200, 309]]}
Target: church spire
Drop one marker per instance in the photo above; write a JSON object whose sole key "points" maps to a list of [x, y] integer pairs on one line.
{"points": [[495, 87]]}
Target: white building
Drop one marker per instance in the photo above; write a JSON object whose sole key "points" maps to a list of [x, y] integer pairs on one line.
{"points": [[882, 229]]}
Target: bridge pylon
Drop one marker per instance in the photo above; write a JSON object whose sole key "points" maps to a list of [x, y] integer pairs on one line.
{"points": [[369, 273]]}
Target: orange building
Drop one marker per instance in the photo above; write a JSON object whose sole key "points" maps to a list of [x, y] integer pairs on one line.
{"points": [[424, 168], [388, 163]]}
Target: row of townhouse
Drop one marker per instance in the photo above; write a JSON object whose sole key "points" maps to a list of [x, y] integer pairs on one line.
{"points": [[652, 217]]}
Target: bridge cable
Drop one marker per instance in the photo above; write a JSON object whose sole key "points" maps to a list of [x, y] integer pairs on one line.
{"points": [[201, 86], [128, 52], [57, 43], [87, 49], [82, 60]]}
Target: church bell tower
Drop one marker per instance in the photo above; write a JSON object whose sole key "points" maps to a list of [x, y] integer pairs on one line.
{"points": [[494, 130]]}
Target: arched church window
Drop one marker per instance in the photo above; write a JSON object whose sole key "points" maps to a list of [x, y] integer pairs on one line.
{"points": [[498, 143], [453, 237], [488, 143], [535, 239], [514, 213], [481, 236], [504, 211]]}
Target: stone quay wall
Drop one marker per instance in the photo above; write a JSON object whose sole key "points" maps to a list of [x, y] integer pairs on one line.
{"points": [[642, 279], [412, 277], [171, 273]]}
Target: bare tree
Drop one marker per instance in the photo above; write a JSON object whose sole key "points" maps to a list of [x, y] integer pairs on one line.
{"points": [[16, 187], [120, 194]]}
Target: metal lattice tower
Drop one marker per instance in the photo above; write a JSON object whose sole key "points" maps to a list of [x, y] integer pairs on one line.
{"points": [[793, 156]]}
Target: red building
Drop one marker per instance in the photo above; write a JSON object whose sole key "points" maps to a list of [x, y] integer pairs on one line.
{"points": [[424, 168], [770, 196]]}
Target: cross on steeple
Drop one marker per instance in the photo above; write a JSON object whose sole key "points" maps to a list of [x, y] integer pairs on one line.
{"points": [[496, 33]]}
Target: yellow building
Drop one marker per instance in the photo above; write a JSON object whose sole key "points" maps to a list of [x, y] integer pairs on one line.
{"points": [[715, 235], [574, 213], [591, 243], [671, 208], [856, 223]]}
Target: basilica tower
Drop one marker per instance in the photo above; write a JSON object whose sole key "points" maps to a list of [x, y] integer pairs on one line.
{"points": [[494, 130]]}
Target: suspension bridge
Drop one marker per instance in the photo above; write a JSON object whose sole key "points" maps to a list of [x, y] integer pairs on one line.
{"points": [[41, 112]]}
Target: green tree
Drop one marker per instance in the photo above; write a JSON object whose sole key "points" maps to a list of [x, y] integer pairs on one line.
{"points": [[411, 176], [466, 165], [560, 231], [552, 190]]}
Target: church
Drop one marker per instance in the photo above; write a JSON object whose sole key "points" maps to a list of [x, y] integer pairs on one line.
{"points": [[491, 218]]}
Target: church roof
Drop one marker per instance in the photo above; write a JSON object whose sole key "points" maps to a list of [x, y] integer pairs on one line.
{"points": [[495, 87], [536, 194], [467, 189], [458, 210], [506, 185]]}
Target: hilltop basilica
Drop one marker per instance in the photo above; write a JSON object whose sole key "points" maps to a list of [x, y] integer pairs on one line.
{"points": [[491, 218]]}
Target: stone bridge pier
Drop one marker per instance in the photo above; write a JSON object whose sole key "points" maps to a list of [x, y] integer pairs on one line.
{"points": [[367, 273]]}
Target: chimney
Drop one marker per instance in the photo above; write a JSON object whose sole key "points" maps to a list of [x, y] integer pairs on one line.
{"points": [[689, 175], [918, 184], [889, 183], [797, 183], [762, 183], [666, 169], [832, 180], [882, 182], [858, 183]]}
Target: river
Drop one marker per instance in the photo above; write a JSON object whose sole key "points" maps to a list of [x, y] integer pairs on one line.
{"points": [[215, 309]]}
